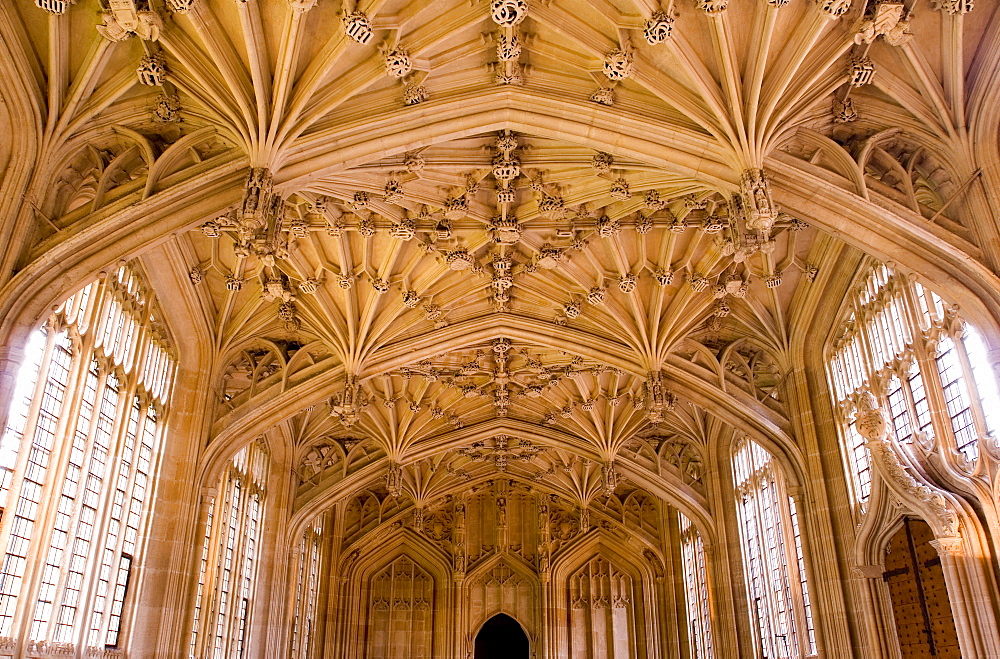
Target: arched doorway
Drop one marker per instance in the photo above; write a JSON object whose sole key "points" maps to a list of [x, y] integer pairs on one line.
{"points": [[501, 638], [924, 623]]}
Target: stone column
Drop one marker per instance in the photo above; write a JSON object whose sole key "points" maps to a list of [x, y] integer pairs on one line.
{"points": [[971, 600], [880, 627]]}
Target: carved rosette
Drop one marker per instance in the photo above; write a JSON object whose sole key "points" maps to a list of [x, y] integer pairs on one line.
{"points": [[618, 64], [358, 26], [398, 63], [508, 12], [152, 70], [658, 28]]}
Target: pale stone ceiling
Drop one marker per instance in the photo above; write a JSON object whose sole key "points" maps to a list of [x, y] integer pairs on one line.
{"points": [[482, 237]]}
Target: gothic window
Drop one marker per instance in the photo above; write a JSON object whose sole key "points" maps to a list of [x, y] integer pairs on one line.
{"points": [[229, 557], [956, 398], [904, 344], [76, 460], [772, 556], [695, 589], [907, 405], [602, 614], [982, 377], [307, 590]]}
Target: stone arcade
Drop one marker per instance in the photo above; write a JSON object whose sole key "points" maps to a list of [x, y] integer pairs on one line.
{"points": [[465, 329]]}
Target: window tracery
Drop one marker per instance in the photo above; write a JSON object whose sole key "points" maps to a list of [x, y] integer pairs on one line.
{"points": [[307, 589], [905, 345], [76, 461], [772, 555], [230, 555], [695, 589]]}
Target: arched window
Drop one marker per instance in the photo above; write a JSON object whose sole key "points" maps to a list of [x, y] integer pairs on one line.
{"points": [[229, 557], [772, 556], [695, 589], [76, 462], [903, 343], [307, 584]]}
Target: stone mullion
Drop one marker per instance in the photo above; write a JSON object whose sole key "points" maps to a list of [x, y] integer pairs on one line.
{"points": [[27, 440], [209, 500], [911, 403], [862, 319], [113, 462], [944, 433], [336, 603], [143, 339], [55, 472], [328, 541], [216, 548], [101, 311], [269, 575], [51, 490], [31, 418], [247, 489], [729, 561], [296, 596], [796, 576], [924, 356], [972, 389]]}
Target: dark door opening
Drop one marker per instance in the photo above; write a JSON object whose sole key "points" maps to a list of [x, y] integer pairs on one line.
{"points": [[501, 638], [920, 605]]}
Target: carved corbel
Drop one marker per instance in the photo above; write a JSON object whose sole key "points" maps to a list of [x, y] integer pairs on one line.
{"points": [[948, 546], [924, 498]]}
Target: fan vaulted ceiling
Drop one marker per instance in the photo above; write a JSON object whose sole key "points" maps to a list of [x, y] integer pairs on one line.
{"points": [[557, 229]]}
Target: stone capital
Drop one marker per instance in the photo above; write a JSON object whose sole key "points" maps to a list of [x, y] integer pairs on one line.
{"points": [[951, 546], [870, 571]]}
